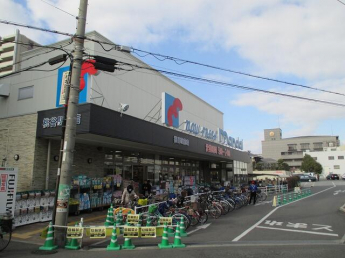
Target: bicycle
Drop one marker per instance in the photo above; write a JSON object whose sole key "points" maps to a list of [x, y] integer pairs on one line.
{"points": [[5, 230]]}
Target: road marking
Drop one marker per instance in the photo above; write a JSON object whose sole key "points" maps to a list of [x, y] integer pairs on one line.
{"points": [[198, 228], [271, 212], [300, 231]]}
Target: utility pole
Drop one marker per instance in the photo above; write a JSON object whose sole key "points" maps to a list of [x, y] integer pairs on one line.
{"points": [[71, 128]]}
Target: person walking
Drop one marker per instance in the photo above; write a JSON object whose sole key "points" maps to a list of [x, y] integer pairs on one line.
{"points": [[128, 196], [253, 189]]}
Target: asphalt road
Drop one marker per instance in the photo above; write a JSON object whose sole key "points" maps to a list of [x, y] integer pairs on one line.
{"points": [[310, 227]]}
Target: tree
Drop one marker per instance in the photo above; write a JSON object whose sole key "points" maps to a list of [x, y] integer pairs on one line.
{"points": [[281, 165], [310, 165]]}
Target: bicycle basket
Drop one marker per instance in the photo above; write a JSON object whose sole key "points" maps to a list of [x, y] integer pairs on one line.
{"points": [[142, 202], [152, 209]]}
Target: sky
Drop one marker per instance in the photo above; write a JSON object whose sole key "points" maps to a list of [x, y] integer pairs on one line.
{"points": [[301, 42]]}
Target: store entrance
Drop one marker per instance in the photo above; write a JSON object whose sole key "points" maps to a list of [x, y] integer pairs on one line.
{"points": [[138, 174]]}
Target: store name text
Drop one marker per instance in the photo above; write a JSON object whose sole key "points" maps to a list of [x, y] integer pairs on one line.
{"points": [[56, 121], [217, 150], [180, 140]]}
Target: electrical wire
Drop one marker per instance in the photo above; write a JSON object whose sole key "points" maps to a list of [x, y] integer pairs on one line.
{"points": [[176, 60], [59, 9], [23, 70], [341, 2], [230, 85], [182, 61]]}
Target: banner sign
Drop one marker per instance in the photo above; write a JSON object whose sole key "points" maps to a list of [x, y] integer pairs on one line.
{"points": [[167, 220], [8, 189], [148, 232], [133, 219], [98, 232], [75, 232], [131, 232]]}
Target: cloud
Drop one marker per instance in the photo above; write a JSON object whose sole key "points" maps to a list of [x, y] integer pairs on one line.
{"points": [[302, 115]]}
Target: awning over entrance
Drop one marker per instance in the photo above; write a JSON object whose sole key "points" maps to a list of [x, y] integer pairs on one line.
{"points": [[100, 126]]}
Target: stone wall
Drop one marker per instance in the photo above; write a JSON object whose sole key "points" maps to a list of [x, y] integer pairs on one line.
{"points": [[18, 136]]}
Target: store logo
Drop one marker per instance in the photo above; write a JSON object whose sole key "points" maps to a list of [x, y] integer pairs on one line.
{"points": [[87, 68], [3, 183], [171, 107]]}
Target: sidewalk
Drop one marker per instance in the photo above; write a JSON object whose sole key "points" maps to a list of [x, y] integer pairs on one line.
{"points": [[31, 233]]}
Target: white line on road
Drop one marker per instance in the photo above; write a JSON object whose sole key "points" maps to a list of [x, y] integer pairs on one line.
{"points": [[300, 231], [198, 228], [271, 212]]}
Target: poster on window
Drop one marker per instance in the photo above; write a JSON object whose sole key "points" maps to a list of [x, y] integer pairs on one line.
{"points": [[189, 180], [8, 189]]}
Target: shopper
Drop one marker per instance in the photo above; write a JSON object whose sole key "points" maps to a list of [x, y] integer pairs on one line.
{"points": [[128, 196], [253, 189], [146, 188]]}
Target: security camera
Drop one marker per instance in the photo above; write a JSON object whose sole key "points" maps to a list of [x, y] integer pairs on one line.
{"points": [[123, 108]]}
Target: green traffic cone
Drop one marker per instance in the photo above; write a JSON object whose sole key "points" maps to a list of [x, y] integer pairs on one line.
{"points": [[108, 219], [182, 229], [148, 221], [290, 198], [177, 239], [73, 244], [49, 243], [140, 221], [171, 232], [278, 200], [165, 239], [284, 199], [128, 244], [113, 246]]}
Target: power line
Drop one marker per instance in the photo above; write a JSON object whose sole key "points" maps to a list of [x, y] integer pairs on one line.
{"points": [[224, 84], [23, 70], [341, 2], [182, 61], [59, 8], [176, 60], [36, 28]]}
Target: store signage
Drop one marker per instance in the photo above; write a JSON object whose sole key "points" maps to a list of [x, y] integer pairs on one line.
{"points": [[228, 140], [75, 232], [132, 219], [180, 140], [130, 232], [56, 121], [217, 150], [171, 107], [8, 188], [165, 220], [98, 232], [87, 68], [148, 232], [196, 129]]}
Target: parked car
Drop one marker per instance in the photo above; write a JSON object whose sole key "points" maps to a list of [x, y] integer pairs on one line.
{"points": [[343, 176], [329, 177], [307, 178], [334, 177]]}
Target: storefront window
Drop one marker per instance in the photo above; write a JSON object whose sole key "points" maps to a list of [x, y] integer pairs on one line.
{"points": [[127, 172], [147, 159], [171, 162], [118, 169]]}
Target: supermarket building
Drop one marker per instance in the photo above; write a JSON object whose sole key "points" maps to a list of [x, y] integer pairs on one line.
{"points": [[166, 133]]}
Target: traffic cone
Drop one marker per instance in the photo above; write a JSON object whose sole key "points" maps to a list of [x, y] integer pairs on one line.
{"points": [[73, 244], [290, 198], [110, 219], [274, 202], [121, 216], [278, 200], [165, 239], [182, 229], [177, 239], [118, 219], [284, 199], [49, 243], [128, 244], [113, 246], [171, 231], [148, 221], [140, 221]]}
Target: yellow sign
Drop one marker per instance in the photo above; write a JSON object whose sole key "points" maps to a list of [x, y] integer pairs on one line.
{"points": [[131, 232], [148, 232], [132, 219], [75, 232], [98, 232], [167, 220]]}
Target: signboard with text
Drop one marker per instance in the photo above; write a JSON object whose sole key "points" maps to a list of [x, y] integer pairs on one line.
{"points": [[131, 232], [148, 232], [75, 232], [97, 232], [167, 220], [8, 189]]}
